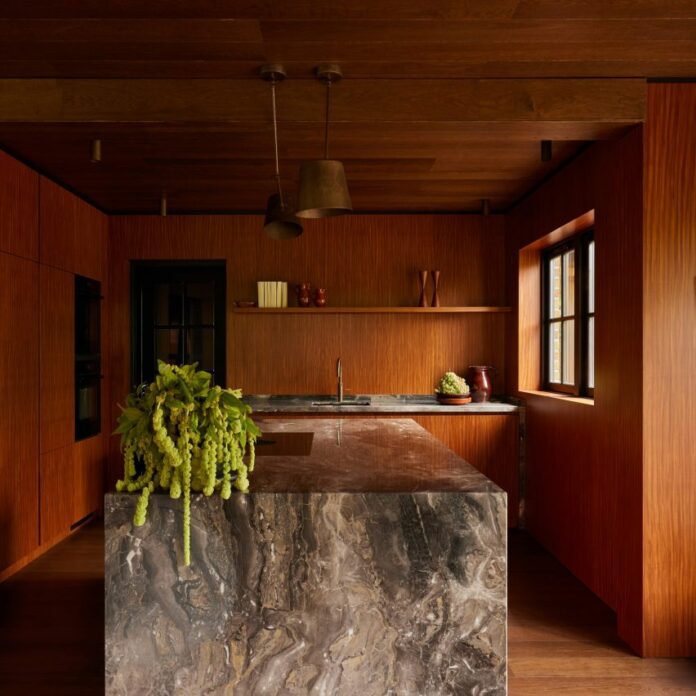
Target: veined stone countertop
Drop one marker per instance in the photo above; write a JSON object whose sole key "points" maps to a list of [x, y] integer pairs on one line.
{"points": [[356, 455], [379, 403], [372, 563]]}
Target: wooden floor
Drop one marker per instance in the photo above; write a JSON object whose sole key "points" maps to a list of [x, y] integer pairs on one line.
{"points": [[562, 638]]}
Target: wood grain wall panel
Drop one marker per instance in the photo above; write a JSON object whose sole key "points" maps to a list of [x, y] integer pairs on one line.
{"points": [[669, 371], [57, 358], [74, 235], [19, 222], [381, 354], [362, 261], [490, 443], [19, 424], [584, 462]]}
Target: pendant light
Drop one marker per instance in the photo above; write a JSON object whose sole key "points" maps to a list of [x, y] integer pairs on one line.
{"points": [[280, 221], [323, 189]]}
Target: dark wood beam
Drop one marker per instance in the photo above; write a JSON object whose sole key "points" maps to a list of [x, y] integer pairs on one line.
{"points": [[354, 101]]}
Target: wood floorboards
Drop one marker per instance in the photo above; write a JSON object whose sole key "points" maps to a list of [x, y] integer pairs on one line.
{"points": [[52, 621], [562, 638]]}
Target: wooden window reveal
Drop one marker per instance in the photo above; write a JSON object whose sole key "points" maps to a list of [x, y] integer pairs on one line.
{"points": [[568, 298]]}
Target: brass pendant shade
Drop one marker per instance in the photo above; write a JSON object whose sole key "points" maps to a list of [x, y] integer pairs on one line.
{"points": [[323, 190], [280, 221], [323, 187]]}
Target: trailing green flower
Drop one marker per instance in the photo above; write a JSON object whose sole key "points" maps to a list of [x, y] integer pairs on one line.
{"points": [[180, 435]]}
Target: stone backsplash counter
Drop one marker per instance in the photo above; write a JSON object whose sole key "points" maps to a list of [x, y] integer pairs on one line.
{"points": [[379, 403], [367, 559]]}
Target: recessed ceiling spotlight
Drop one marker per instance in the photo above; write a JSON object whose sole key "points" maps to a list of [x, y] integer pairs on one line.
{"points": [[96, 151], [546, 150]]}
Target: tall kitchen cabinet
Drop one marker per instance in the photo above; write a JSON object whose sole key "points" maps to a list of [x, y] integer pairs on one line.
{"points": [[73, 242], [19, 362], [51, 480]]}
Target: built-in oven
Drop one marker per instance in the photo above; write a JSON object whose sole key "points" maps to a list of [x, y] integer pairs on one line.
{"points": [[88, 375]]}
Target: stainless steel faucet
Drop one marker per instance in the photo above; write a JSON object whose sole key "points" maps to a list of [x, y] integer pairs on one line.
{"points": [[339, 375]]}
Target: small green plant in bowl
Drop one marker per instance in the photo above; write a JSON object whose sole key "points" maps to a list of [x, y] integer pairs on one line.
{"points": [[452, 390], [180, 434]]}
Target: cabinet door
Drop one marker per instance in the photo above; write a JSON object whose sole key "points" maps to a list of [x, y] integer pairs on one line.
{"points": [[19, 416], [19, 222], [74, 235], [88, 476], [57, 492], [490, 443], [71, 486], [57, 359]]}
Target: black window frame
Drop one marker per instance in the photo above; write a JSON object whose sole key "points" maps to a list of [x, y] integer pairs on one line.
{"points": [[143, 275], [580, 243]]}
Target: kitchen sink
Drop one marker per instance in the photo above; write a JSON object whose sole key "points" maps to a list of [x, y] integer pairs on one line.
{"points": [[347, 401]]}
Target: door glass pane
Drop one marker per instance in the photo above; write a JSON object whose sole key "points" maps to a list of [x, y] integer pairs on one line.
{"points": [[569, 283], [590, 277], [200, 348], [590, 353], [569, 352], [168, 303], [555, 279], [555, 352], [168, 345], [200, 303]]}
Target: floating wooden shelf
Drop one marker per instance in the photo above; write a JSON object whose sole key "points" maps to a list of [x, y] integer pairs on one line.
{"points": [[370, 310]]}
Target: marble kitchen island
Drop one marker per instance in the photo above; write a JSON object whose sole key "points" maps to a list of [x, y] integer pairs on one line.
{"points": [[368, 559]]}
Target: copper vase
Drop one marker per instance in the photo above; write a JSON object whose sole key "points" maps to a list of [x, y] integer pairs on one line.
{"points": [[423, 279], [436, 279]]}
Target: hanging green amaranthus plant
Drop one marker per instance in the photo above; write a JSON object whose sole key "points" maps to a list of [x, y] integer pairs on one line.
{"points": [[180, 434]]}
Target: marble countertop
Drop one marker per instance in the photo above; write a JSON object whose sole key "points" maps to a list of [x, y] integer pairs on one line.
{"points": [[322, 455], [379, 403]]}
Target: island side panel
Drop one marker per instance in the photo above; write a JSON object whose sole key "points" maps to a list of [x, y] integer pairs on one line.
{"points": [[298, 593]]}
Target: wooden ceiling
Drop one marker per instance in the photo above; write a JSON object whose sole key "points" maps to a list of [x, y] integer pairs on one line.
{"points": [[444, 102]]}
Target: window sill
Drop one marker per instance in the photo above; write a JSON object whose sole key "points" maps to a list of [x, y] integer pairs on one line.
{"points": [[585, 401]]}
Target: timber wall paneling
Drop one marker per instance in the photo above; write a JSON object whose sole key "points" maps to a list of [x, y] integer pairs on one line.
{"points": [[584, 481], [669, 371]]}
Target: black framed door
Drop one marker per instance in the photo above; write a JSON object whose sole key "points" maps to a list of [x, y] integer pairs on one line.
{"points": [[179, 316]]}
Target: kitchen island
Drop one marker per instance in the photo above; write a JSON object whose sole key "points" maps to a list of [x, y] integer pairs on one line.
{"points": [[368, 558]]}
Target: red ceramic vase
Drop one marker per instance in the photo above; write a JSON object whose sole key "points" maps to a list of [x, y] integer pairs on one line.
{"points": [[303, 291], [481, 382]]}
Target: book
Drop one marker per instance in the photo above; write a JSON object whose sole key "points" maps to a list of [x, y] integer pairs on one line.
{"points": [[261, 293]]}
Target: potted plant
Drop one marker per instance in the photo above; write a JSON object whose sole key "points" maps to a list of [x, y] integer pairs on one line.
{"points": [[452, 390], [180, 434]]}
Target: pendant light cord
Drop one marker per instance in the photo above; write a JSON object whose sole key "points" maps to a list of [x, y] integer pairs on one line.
{"points": [[275, 143], [326, 128]]}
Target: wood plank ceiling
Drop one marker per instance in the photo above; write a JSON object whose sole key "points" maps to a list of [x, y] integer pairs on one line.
{"points": [[444, 102]]}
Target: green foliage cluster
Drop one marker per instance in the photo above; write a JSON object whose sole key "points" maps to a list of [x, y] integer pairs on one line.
{"points": [[179, 434], [452, 383]]}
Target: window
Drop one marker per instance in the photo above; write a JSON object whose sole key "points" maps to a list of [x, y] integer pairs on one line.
{"points": [[178, 317], [568, 316]]}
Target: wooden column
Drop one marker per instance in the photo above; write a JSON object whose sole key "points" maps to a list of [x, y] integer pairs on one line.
{"points": [[669, 372]]}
